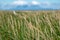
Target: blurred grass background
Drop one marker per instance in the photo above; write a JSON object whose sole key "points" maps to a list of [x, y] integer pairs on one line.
{"points": [[30, 25]]}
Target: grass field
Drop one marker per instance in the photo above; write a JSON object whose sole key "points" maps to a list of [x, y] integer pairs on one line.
{"points": [[30, 25]]}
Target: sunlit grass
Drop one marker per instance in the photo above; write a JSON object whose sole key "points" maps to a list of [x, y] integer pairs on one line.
{"points": [[30, 25]]}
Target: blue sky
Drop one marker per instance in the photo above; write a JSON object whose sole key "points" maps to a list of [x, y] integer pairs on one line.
{"points": [[4, 4], [51, 1]]}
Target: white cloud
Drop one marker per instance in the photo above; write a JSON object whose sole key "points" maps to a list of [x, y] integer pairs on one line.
{"points": [[35, 3], [23, 2], [46, 3], [19, 2]]}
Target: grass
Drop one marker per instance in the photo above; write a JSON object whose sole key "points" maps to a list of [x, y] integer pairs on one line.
{"points": [[30, 25]]}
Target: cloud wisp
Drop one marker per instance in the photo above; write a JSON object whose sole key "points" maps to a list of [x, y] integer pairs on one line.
{"points": [[22, 2], [35, 3], [19, 2]]}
